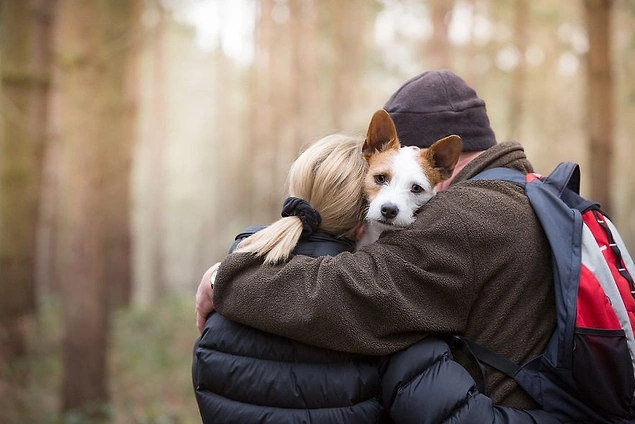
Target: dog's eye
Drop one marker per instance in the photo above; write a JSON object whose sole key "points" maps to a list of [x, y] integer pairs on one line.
{"points": [[380, 179], [416, 188]]}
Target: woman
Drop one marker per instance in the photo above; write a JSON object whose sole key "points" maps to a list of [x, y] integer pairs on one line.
{"points": [[243, 375]]}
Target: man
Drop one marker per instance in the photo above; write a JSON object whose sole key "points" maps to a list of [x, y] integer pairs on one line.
{"points": [[475, 262]]}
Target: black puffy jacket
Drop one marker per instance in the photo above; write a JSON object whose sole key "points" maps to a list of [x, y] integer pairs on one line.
{"points": [[243, 375], [424, 385]]}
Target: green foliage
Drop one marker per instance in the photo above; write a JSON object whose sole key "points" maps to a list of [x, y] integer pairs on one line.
{"points": [[149, 365]]}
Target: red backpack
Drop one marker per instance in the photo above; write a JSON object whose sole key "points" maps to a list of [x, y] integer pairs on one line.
{"points": [[587, 371]]}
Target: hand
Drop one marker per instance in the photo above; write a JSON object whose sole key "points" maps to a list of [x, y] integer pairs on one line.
{"points": [[205, 296]]}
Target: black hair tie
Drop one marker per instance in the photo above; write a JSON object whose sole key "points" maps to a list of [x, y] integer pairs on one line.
{"points": [[310, 218]]}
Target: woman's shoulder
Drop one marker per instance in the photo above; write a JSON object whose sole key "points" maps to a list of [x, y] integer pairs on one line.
{"points": [[224, 335]]}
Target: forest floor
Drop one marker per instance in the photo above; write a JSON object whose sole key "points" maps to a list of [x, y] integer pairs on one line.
{"points": [[149, 365]]}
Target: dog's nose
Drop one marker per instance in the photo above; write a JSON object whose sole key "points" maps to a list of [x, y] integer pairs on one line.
{"points": [[389, 210]]}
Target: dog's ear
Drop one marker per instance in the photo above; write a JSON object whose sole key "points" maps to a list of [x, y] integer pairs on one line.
{"points": [[381, 135], [444, 154]]}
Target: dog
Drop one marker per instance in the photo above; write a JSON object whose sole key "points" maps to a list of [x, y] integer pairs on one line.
{"points": [[400, 180]]}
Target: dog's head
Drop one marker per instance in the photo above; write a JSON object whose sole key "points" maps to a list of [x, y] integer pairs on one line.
{"points": [[402, 179]]}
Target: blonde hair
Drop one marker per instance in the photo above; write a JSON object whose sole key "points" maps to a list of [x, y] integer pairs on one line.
{"points": [[329, 176]]}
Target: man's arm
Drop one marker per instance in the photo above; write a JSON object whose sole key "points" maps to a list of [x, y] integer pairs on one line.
{"points": [[375, 301]]}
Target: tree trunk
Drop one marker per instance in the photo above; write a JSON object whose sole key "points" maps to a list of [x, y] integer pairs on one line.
{"points": [[122, 35], [262, 115], [150, 271], [25, 66], [304, 86], [83, 49], [158, 165], [345, 43], [438, 56], [600, 100], [519, 77]]}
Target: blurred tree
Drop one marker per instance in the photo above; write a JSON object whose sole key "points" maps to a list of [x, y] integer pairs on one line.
{"points": [[438, 56], [304, 64], [287, 38], [471, 73], [283, 117], [624, 172], [122, 35], [91, 52], [600, 100], [25, 66], [519, 76], [158, 122], [344, 37], [265, 97], [228, 154], [151, 274]]}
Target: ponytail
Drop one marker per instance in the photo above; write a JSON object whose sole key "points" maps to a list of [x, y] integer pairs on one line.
{"points": [[276, 242]]}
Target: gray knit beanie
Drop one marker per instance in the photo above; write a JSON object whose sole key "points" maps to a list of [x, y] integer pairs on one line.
{"points": [[436, 104]]}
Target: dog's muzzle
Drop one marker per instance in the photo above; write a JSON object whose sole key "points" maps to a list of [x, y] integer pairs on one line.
{"points": [[389, 211]]}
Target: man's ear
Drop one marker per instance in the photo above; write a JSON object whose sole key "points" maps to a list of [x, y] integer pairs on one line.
{"points": [[444, 154], [381, 135]]}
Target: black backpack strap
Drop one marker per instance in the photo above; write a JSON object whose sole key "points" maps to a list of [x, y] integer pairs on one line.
{"points": [[459, 343], [483, 355]]}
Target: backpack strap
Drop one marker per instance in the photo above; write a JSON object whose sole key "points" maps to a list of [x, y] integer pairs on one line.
{"points": [[563, 228], [483, 355], [566, 175], [504, 174]]}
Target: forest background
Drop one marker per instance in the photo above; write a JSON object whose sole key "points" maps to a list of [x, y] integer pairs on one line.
{"points": [[137, 137]]}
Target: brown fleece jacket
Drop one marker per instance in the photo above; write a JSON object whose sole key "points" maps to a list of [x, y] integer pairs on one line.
{"points": [[475, 262]]}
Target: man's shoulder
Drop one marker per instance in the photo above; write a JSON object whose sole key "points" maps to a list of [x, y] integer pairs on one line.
{"points": [[471, 192], [485, 190], [471, 200]]}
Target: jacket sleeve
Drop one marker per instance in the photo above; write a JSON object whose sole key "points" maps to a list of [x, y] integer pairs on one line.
{"points": [[423, 384], [377, 300]]}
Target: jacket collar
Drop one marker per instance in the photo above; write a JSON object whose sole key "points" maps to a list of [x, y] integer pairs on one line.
{"points": [[320, 243], [509, 154], [317, 244]]}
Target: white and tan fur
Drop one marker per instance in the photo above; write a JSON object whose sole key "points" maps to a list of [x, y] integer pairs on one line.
{"points": [[400, 180]]}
